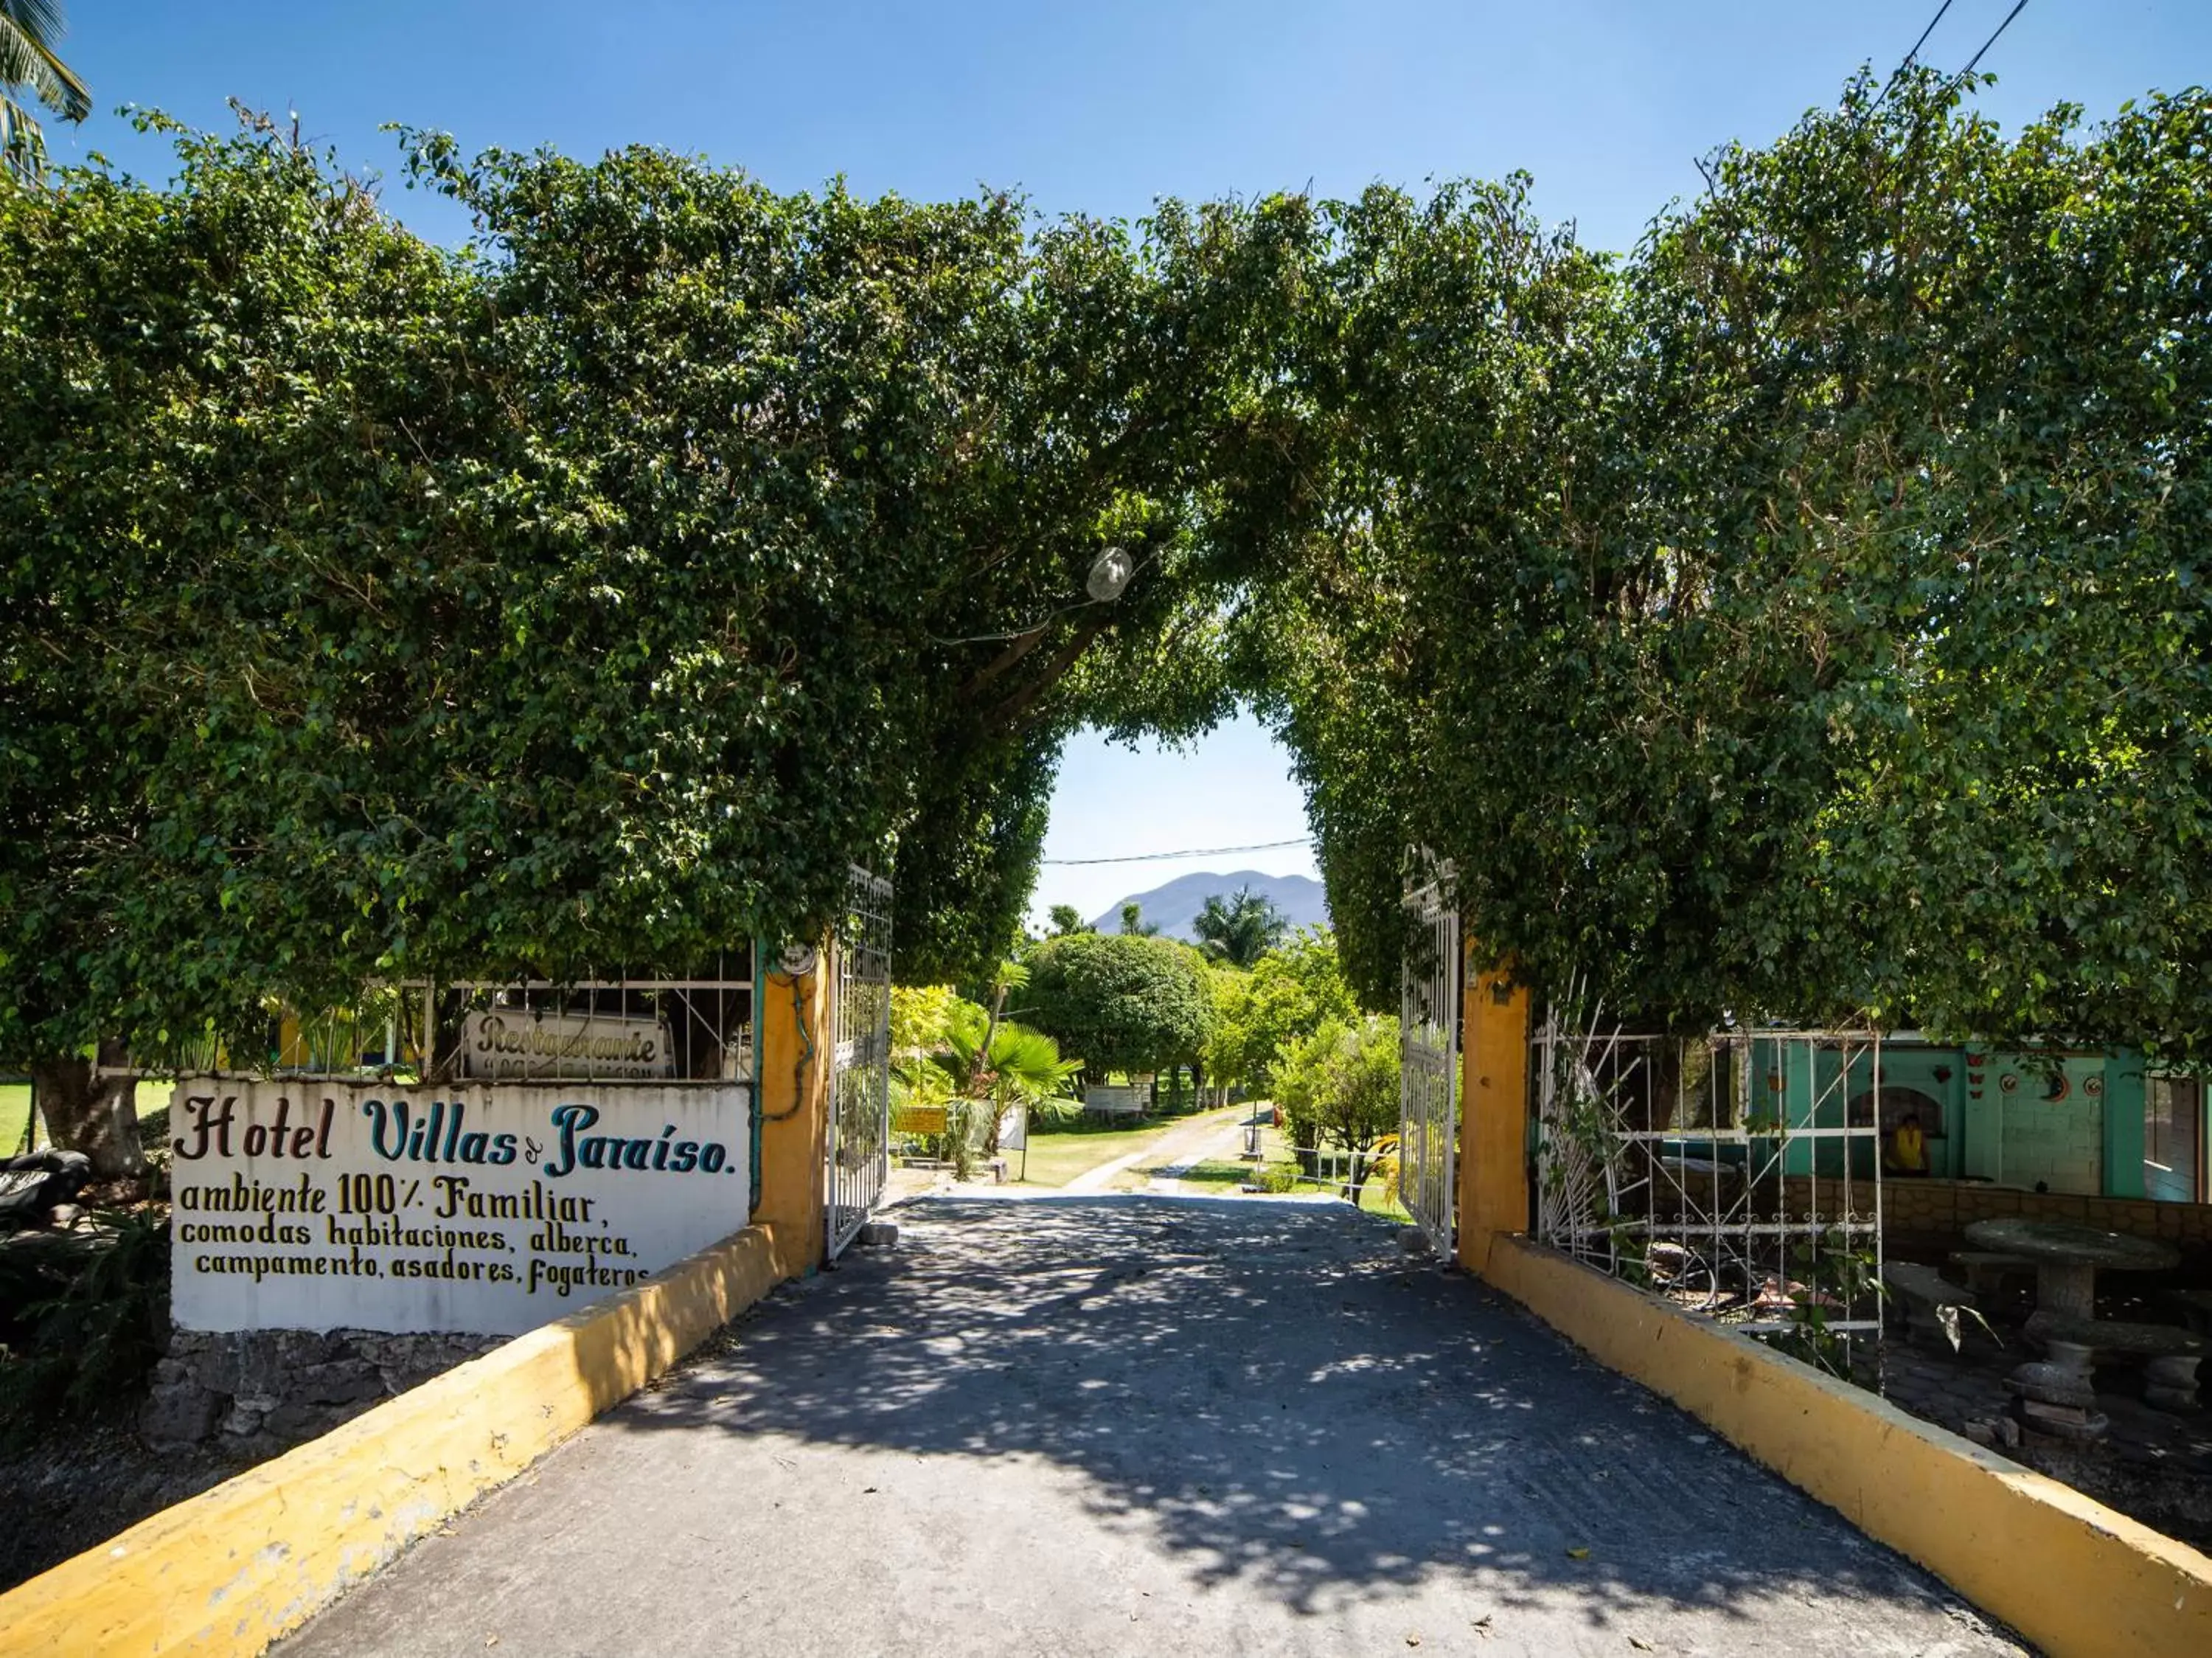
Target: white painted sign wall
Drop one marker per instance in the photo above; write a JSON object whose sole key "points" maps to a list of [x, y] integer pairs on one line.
{"points": [[468, 1207]]}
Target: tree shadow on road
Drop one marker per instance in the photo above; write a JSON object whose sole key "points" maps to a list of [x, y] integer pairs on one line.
{"points": [[1271, 1392]]}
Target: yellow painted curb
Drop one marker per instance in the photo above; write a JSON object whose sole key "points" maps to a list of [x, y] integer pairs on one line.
{"points": [[231, 1569], [2068, 1573]]}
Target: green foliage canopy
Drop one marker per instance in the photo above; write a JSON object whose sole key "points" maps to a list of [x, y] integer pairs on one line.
{"points": [[588, 599], [1339, 1086], [1290, 993], [1803, 615]]}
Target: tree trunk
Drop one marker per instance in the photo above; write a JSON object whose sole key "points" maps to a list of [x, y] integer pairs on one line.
{"points": [[97, 1117]]}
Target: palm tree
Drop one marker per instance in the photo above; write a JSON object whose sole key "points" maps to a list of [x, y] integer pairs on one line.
{"points": [[994, 1064], [28, 32], [1005, 1064], [1134, 924], [1242, 930]]}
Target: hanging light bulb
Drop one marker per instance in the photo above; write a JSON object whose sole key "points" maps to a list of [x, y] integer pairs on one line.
{"points": [[1109, 575]]}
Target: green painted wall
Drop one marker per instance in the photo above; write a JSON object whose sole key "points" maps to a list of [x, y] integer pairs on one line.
{"points": [[2072, 1123]]}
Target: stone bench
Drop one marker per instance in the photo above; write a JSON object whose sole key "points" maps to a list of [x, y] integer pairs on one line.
{"points": [[1925, 1292], [2194, 1307], [2169, 1354], [1984, 1267]]}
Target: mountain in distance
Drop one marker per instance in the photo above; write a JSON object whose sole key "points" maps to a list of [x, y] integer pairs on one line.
{"points": [[1173, 907]]}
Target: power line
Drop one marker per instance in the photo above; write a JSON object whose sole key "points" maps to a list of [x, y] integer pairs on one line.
{"points": [[1190, 852], [1905, 64], [2018, 7], [1913, 56]]}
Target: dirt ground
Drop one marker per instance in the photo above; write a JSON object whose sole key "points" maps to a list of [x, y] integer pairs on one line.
{"points": [[81, 1485]]}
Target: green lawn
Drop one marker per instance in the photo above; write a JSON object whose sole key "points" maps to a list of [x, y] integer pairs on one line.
{"points": [[16, 1106], [1228, 1178], [1215, 1172]]}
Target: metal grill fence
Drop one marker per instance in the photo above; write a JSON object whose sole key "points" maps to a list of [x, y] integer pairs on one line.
{"points": [[600, 1030], [1738, 1174], [860, 1063], [1428, 1072]]}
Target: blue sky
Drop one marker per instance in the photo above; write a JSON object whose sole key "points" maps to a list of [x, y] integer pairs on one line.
{"points": [[1102, 108]]}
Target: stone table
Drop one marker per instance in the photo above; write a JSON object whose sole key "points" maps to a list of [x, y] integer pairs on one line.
{"points": [[2057, 1395], [2067, 1259]]}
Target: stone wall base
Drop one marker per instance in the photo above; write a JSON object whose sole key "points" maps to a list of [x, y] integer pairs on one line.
{"points": [[265, 1391]]}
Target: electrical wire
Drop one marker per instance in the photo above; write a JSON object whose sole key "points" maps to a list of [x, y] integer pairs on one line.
{"points": [[1049, 617], [1913, 56], [1191, 852], [1905, 64], [803, 1061], [2018, 7]]}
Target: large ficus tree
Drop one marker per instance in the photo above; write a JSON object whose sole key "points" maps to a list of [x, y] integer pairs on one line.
{"points": [[1803, 615], [237, 416], [853, 462], [590, 599]]}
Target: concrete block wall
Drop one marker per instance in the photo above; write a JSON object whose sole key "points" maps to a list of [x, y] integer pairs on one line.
{"points": [[2061, 1142], [1948, 1207]]}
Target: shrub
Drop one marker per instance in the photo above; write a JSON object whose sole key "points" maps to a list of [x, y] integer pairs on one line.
{"points": [[1123, 1002], [89, 1319]]}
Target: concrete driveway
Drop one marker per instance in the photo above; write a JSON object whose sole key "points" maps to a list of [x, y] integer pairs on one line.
{"points": [[1151, 1425]]}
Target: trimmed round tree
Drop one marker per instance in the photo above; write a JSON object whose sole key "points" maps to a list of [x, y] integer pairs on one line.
{"points": [[1123, 1001]]}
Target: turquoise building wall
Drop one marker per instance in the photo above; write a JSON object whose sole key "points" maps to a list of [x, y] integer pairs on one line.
{"points": [[2068, 1122]]}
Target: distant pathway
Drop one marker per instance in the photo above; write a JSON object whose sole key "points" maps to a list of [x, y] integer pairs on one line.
{"points": [[1225, 1144], [1186, 1142], [1153, 1426]]}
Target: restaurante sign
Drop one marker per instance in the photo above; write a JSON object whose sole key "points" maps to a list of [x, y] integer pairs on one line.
{"points": [[517, 1043]]}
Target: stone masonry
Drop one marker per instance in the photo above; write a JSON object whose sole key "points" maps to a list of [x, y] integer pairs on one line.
{"points": [[265, 1391]]}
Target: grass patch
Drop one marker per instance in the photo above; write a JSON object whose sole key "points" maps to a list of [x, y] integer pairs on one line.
{"points": [[15, 1113], [1058, 1155], [1216, 1173], [15, 1109]]}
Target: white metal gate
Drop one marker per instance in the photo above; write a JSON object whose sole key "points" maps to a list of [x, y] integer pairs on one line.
{"points": [[1428, 1076], [1737, 1172], [858, 1161]]}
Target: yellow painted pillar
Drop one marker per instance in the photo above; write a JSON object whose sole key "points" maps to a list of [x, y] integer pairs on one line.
{"points": [[791, 1059], [1493, 1137]]}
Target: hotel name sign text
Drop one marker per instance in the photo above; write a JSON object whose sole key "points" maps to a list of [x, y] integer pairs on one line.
{"points": [[479, 1207]]}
